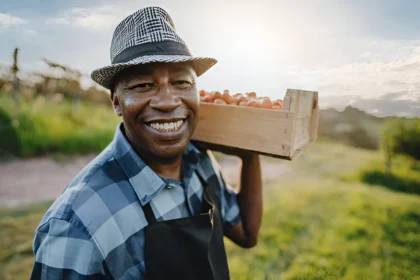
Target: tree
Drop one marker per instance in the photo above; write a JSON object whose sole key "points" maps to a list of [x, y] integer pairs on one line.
{"points": [[401, 136]]}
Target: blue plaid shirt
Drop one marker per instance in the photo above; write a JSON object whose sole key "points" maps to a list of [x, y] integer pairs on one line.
{"points": [[95, 228]]}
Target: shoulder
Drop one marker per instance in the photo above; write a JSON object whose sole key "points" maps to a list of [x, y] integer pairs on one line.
{"points": [[78, 198], [63, 241], [211, 167], [207, 163], [102, 203]]}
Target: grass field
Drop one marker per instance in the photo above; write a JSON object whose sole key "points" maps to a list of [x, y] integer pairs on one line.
{"points": [[316, 225]]}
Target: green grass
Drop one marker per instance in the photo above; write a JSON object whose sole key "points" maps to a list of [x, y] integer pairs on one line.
{"points": [[325, 230], [45, 127], [315, 226], [17, 227]]}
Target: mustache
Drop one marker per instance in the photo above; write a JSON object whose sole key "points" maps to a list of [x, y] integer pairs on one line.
{"points": [[153, 114]]}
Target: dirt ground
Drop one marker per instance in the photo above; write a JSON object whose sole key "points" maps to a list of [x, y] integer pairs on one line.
{"points": [[25, 181]]}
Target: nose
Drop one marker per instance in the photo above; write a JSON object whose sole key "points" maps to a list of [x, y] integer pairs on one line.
{"points": [[165, 100]]}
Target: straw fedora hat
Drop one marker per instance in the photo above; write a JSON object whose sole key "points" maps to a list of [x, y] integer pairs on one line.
{"points": [[147, 36]]}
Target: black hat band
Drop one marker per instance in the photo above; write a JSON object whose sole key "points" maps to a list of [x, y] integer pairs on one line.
{"points": [[154, 48]]}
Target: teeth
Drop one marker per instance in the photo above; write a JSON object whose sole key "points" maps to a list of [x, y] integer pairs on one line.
{"points": [[172, 126]]}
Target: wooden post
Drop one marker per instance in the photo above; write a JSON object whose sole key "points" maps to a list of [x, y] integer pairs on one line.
{"points": [[76, 97], [16, 92], [76, 102], [388, 143]]}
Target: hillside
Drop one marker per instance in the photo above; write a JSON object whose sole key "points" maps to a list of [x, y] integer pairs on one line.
{"points": [[351, 126], [396, 104]]}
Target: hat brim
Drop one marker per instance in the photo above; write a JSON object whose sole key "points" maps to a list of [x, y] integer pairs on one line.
{"points": [[105, 75]]}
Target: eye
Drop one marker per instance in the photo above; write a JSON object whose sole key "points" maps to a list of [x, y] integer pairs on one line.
{"points": [[182, 84], [142, 87]]}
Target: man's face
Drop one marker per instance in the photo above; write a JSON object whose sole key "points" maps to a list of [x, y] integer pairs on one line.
{"points": [[159, 105]]}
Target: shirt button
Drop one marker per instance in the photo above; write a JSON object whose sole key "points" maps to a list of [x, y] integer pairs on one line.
{"points": [[169, 186]]}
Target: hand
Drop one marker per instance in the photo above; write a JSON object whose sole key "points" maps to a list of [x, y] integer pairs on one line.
{"points": [[241, 153]]}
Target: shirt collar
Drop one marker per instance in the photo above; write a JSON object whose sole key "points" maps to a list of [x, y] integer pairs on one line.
{"points": [[145, 182]]}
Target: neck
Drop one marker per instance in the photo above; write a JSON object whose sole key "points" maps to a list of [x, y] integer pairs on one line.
{"points": [[166, 168]]}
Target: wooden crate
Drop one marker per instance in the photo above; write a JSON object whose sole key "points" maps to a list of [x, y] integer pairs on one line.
{"points": [[278, 133]]}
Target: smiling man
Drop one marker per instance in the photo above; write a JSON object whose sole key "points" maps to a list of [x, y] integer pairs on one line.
{"points": [[151, 205]]}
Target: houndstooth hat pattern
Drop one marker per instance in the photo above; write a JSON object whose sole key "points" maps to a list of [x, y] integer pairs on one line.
{"points": [[144, 37]]}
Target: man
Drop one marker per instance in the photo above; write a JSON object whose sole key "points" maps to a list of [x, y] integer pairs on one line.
{"points": [[151, 205]]}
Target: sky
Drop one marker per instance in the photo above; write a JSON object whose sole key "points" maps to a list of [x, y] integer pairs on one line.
{"points": [[342, 49]]}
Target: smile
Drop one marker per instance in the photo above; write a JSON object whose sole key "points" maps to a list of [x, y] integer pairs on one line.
{"points": [[167, 126]]}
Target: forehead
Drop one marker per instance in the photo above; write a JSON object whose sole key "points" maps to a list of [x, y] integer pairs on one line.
{"points": [[152, 69], [156, 69]]}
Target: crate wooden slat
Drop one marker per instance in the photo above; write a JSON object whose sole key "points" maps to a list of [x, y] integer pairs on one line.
{"points": [[278, 133]]}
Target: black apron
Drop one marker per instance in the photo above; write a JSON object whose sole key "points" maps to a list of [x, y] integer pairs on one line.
{"points": [[187, 248]]}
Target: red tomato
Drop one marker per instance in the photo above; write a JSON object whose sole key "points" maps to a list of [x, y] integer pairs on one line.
{"points": [[235, 100], [219, 101], [238, 97], [243, 99], [278, 102], [249, 99], [216, 94], [251, 95], [226, 97], [265, 103], [208, 98], [253, 103]]}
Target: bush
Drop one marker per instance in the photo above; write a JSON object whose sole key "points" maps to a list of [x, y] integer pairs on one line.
{"points": [[402, 136], [44, 127], [9, 142]]}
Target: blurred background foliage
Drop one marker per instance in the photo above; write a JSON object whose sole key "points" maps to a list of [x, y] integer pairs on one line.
{"points": [[348, 208], [53, 114], [44, 126]]}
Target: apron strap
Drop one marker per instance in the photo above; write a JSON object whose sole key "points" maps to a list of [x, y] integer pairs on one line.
{"points": [[200, 177], [209, 193], [148, 212], [204, 185]]}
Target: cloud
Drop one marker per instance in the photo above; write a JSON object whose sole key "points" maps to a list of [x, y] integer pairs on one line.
{"points": [[375, 79], [7, 20], [383, 88], [30, 32], [104, 17], [59, 20], [366, 55], [99, 18]]}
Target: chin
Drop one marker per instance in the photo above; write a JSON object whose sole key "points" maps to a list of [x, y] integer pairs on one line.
{"points": [[170, 151]]}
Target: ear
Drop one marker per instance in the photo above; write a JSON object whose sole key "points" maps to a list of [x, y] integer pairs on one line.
{"points": [[116, 103]]}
